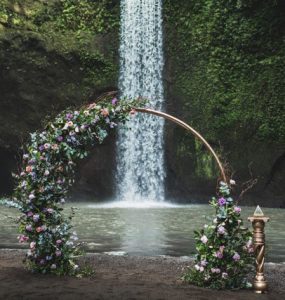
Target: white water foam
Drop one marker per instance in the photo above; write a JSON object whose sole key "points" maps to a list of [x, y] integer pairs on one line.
{"points": [[135, 204]]}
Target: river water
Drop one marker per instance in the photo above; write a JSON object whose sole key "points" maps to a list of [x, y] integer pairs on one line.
{"points": [[152, 230]]}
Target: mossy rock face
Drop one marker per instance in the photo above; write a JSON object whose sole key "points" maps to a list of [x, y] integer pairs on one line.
{"points": [[47, 66], [224, 76], [48, 63]]}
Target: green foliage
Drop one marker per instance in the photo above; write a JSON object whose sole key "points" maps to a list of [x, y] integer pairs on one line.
{"points": [[71, 28], [224, 248], [228, 59]]}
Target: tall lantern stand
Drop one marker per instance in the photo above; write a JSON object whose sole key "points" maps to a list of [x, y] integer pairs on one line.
{"points": [[258, 221]]}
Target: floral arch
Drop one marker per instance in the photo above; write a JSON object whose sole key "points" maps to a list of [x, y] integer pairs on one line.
{"points": [[48, 170]]}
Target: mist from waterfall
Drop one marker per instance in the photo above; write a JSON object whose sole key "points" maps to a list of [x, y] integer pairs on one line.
{"points": [[140, 150]]}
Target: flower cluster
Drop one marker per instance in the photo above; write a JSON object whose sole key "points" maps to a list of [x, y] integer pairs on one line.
{"points": [[225, 248], [46, 174]]}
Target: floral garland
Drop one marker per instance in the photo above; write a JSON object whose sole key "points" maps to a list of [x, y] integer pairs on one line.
{"points": [[225, 248], [46, 174]]}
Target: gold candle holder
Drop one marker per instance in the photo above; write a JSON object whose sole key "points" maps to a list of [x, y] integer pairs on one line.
{"points": [[258, 221]]}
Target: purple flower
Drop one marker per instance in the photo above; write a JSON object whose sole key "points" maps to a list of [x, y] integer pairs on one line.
{"points": [[34, 175], [58, 242], [42, 261], [237, 209], [222, 201], [219, 254], [41, 147], [114, 101], [221, 230], [29, 214], [36, 218], [204, 263], [69, 116], [236, 257], [59, 138], [31, 161], [22, 238], [58, 253], [29, 227]]}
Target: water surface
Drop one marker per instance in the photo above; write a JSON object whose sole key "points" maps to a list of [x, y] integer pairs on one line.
{"points": [[157, 229]]}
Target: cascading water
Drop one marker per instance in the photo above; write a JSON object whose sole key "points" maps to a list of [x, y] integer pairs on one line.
{"points": [[140, 157]]}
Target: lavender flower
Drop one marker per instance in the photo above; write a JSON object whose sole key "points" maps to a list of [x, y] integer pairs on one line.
{"points": [[236, 257], [31, 161], [237, 209], [114, 101], [222, 201], [29, 227], [36, 218], [69, 116], [41, 148], [204, 263], [219, 254], [59, 138], [221, 230]]}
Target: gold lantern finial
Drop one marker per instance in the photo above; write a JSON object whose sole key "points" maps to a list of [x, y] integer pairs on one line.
{"points": [[258, 221]]}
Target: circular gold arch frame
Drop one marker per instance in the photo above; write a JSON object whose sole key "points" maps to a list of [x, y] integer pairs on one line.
{"points": [[178, 122], [188, 128]]}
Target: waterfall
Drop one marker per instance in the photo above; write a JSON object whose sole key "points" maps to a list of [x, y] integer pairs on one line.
{"points": [[140, 151]]}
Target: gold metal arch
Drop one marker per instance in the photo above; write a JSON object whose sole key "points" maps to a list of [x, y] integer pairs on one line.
{"points": [[178, 122], [188, 128]]}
